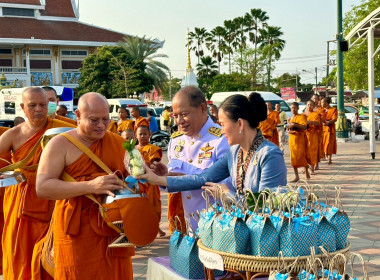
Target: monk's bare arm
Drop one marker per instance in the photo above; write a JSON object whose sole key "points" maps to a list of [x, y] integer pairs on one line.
{"points": [[6, 141], [52, 163]]}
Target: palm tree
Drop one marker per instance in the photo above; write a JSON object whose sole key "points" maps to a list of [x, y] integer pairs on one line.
{"points": [[215, 43], [207, 67], [229, 38], [272, 46], [143, 51], [240, 38], [253, 20], [198, 37]]}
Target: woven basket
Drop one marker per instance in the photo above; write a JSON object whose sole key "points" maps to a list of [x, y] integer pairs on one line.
{"points": [[122, 240], [249, 263]]}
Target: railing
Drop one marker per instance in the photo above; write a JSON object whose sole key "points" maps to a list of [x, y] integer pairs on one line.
{"points": [[13, 70]]}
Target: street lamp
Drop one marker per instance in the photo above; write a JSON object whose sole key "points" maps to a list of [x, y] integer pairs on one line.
{"points": [[316, 77]]}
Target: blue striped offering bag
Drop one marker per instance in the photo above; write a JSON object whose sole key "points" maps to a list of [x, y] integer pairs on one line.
{"points": [[206, 221], [230, 231], [340, 221], [264, 237], [174, 241]]}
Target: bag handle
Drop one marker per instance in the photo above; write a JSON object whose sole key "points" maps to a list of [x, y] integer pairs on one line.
{"points": [[322, 188], [353, 256], [338, 201], [176, 218], [336, 261], [95, 158]]}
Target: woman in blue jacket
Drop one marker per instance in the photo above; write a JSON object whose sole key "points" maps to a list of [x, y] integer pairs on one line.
{"points": [[252, 162]]}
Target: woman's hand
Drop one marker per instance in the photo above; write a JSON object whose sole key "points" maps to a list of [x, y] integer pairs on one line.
{"points": [[159, 168], [214, 187], [149, 175]]}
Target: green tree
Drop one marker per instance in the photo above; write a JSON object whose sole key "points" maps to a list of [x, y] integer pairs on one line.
{"points": [[255, 18], [197, 39], [287, 80], [112, 72], [272, 46], [175, 86], [241, 28], [355, 61], [207, 67], [216, 44], [143, 51], [231, 82], [249, 66], [229, 39]]}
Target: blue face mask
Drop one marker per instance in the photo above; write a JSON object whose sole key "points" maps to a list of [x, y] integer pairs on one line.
{"points": [[52, 107]]}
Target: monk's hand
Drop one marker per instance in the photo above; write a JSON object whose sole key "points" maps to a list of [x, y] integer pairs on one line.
{"points": [[159, 168], [105, 184]]}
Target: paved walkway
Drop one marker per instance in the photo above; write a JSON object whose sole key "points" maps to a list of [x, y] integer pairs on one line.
{"points": [[357, 174]]}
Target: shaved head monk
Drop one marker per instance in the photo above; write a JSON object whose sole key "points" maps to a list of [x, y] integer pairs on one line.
{"points": [[80, 252], [26, 217], [52, 105]]}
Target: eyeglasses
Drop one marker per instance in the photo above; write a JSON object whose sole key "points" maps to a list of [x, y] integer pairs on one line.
{"points": [[97, 121]]}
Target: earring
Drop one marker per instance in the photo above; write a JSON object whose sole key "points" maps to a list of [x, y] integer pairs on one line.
{"points": [[239, 131]]}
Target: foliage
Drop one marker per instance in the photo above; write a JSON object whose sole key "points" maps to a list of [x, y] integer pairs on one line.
{"points": [[356, 59], [231, 82], [287, 80], [143, 51], [112, 72], [175, 86]]}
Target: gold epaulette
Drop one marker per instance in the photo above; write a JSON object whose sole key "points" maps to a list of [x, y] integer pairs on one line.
{"points": [[176, 134], [215, 131]]}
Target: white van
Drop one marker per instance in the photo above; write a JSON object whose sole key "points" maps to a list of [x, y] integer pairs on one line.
{"points": [[218, 97], [116, 103]]}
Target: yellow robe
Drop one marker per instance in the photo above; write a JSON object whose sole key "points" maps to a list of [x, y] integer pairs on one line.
{"points": [[322, 114], [312, 138], [112, 127], [329, 137], [26, 217], [124, 125], [79, 252], [267, 128], [298, 143], [276, 117], [141, 121]]}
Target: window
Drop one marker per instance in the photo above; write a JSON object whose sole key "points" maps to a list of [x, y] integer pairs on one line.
{"points": [[111, 108], [18, 12], [350, 109], [39, 64], [284, 107], [71, 64], [10, 107], [38, 52], [5, 51], [5, 62], [77, 53]]}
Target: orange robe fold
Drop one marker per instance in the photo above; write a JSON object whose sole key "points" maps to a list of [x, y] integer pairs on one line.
{"points": [[322, 113], [64, 119], [276, 117], [312, 138], [298, 143], [26, 217], [267, 128], [140, 121], [7, 157], [79, 252], [329, 137], [175, 208], [112, 127], [125, 124], [151, 153]]}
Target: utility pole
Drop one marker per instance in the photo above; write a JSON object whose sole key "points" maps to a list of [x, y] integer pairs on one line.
{"points": [[316, 78], [341, 124], [327, 68], [170, 85], [296, 80]]}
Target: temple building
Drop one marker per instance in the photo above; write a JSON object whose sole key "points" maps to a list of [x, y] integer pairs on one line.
{"points": [[42, 42]]}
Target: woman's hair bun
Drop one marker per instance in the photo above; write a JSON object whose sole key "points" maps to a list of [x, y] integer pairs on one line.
{"points": [[259, 108]]}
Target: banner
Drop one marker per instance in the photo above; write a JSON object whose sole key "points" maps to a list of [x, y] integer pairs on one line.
{"points": [[288, 93]]}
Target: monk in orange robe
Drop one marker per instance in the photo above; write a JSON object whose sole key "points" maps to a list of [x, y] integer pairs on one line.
{"points": [[313, 124], [322, 112], [5, 159], [329, 137], [150, 154], [175, 209], [112, 127], [135, 112], [267, 128], [53, 98], [79, 251], [124, 123], [275, 116], [296, 128], [26, 217]]}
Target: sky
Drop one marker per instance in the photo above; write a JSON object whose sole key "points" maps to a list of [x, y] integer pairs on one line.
{"points": [[307, 26]]}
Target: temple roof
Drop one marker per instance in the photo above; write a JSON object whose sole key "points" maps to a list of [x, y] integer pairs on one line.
{"points": [[33, 29], [58, 8], [22, 2]]}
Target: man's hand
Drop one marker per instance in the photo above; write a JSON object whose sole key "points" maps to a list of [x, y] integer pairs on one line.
{"points": [[159, 168], [105, 185]]}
